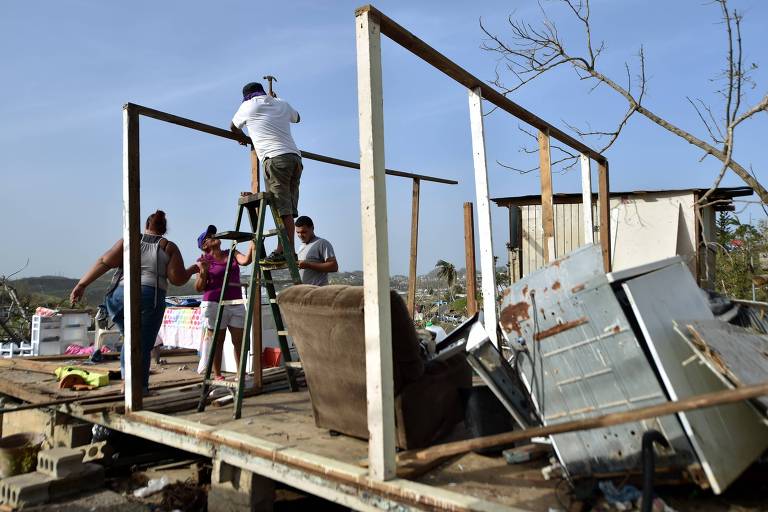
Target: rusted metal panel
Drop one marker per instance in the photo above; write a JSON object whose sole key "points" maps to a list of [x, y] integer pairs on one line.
{"points": [[583, 359]]}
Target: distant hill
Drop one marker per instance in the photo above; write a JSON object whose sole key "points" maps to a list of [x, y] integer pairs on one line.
{"points": [[55, 290]]}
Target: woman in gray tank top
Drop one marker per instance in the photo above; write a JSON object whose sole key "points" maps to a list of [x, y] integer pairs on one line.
{"points": [[161, 263]]}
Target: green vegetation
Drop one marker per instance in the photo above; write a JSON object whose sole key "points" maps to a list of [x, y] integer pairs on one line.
{"points": [[742, 254]]}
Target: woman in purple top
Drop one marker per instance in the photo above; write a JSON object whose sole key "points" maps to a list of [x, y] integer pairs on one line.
{"points": [[213, 264]]}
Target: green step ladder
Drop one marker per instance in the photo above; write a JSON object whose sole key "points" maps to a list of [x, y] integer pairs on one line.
{"points": [[256, 206]]}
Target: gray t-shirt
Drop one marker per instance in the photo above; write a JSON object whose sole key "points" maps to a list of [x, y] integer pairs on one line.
{"points": [[317, 250]]}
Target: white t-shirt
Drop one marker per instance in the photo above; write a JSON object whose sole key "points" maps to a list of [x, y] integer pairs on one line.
{"points": [[268, 121]]}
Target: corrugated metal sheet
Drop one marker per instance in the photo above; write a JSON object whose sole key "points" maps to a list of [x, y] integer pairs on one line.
{"points": [[584, 360]]}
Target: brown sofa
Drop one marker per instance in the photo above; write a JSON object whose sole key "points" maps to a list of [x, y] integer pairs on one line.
{"points": [[326, 324]]}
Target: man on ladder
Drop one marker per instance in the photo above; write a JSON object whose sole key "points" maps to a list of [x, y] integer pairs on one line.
{"points": [[268, 120]]}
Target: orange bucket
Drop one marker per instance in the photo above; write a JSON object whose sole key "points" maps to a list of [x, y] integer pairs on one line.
{"points": [[270, 357]]}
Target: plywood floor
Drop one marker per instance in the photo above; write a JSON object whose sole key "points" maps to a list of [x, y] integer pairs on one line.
{"points": [[286, 418]]}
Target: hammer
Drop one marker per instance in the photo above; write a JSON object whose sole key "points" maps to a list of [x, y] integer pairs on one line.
{"points": [[270, 78]]}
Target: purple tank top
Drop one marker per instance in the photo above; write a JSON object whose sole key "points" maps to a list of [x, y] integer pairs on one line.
{"points": [[216, 278]]}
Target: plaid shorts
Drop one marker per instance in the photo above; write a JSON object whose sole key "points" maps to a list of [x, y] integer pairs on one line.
{"points": [[282, 175]]}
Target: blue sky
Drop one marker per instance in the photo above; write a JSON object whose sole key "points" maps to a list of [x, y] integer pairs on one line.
{"points": [[69, 66]]}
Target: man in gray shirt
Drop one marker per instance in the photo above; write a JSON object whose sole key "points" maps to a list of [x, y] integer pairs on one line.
{"points": [[316, 256]]}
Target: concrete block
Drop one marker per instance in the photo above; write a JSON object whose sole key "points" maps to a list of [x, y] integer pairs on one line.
{"points": [[72, 433], [97, 451], [24, 490], [60, 462], [89, 478], [237, 490]]}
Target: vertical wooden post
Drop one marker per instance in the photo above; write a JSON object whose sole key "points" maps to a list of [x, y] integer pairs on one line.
{"points": [[469, 253], [586, 199], [256, 328], [547, 206], [487, 267], [604, 200], [373, 205], [414, 247], [132, 260]]}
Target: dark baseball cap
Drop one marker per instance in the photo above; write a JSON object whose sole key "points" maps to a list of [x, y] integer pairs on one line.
{"points": [[252, 87], [210, 230]]}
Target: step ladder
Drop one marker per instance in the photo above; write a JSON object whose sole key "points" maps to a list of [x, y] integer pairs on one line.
{"points": [[256, 207]]}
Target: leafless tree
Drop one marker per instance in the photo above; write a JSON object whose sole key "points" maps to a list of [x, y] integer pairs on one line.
{"points": [[532, 51]]}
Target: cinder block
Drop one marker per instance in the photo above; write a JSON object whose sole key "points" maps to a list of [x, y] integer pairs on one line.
{"points": [[24, 490], [90, 477], [237, 490], [72, 434], [60, 462]]}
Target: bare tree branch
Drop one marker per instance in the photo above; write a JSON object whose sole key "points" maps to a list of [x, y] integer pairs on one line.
{"points": [[535, 51]]}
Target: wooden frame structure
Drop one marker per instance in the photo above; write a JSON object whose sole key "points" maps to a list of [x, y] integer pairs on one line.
{"points": [[370, 24], [132, 230]]}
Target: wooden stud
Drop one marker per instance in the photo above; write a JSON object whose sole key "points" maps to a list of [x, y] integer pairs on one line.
{"points": [[469, 254], [547, 207], [132, 261], [373, 206], [726, 396], [256, 327], [413, 44], [308, 155], [586, 197], [604, 200], [487, 266], [414, 247], [255, 173]]}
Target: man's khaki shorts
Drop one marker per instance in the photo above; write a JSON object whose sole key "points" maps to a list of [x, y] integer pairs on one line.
{"points": [[282, 175]]}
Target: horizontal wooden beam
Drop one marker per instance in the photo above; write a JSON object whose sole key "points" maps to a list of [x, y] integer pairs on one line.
{"points": [[422, 50], [220, 132], [726, 396]]}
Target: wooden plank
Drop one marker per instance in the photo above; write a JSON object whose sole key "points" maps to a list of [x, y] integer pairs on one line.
{"points": [[425, 52], [547, 209], [604, 207], [220, 132], [538, 237], [256, 327], [738, 354], [390, 172], [586, 197], [487, 266], [131, 259], [469, 255], [49, 367], [414, 248], [373, 205], [728, 396], [255, 174]]}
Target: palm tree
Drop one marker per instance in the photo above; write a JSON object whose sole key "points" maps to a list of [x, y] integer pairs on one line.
{"points": [[447, 271]]}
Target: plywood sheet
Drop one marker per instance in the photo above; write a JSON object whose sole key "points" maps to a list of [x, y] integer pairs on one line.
{"points": [[736, 353]]}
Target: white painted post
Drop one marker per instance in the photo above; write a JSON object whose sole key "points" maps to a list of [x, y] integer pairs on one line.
{"points": [[131, 263], [586, 198], [483, 213], [373, 203]]}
